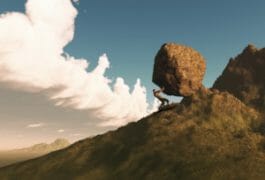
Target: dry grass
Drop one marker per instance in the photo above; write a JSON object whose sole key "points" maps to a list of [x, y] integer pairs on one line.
{"points": [[207, 136]]}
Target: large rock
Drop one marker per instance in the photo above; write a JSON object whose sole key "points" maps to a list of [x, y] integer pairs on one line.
{"points": [[180, 69], [244, 77]]}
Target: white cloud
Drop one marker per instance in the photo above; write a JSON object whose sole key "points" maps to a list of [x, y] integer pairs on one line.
{"points": [[60, 130], [31, 60], [37, 125], [155, 106], [75, 135]]}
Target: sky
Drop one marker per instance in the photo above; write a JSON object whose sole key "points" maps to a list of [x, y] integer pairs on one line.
{"points": [[108, 52]]}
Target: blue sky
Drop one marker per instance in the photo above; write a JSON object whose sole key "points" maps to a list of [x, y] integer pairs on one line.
{"points": [[131, 32]]}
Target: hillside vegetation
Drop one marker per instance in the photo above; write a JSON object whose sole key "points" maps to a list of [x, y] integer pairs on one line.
{"points": [[216, 133], [210, 135]]}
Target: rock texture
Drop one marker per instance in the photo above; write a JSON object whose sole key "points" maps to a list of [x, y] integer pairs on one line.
{"points": [[180, 69], [244, 77]]}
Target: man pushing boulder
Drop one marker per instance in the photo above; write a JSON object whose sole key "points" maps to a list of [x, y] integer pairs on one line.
{"points": [[163, 100]]}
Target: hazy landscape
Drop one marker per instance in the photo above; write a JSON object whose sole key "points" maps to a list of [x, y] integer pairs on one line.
{"points": [[13, 156]]}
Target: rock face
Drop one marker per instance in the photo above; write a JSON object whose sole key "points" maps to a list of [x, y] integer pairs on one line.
{"points": [[180, 69], [244, 77]]}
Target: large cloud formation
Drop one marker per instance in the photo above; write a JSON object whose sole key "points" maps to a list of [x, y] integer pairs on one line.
{"points": [[32, 59]]}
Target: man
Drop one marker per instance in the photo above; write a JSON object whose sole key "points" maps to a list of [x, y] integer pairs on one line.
{"points": [[160, 98]]}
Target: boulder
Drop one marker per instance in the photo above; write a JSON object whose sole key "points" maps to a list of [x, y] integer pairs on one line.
{"points": [[179, 69]]}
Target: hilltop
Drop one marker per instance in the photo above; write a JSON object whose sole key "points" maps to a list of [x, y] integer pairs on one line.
{"points": [[244, 77]]}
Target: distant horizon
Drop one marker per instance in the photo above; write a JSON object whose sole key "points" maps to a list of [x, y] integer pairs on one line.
{"points": [[20, 148]]}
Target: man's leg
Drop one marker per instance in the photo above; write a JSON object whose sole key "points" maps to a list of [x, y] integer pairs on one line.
{"points": [[167, 101], [163, 102]]}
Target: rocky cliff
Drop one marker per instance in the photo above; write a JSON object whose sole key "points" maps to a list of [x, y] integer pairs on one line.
{"points": [[244, 77]]}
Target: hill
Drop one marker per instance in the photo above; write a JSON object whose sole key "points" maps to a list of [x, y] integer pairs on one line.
{"points": [[244, 77], [212, 134], [17, 155]]}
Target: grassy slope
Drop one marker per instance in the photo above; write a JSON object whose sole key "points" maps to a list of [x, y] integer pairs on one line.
{"points": [[7, 158], [208, 136]]}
